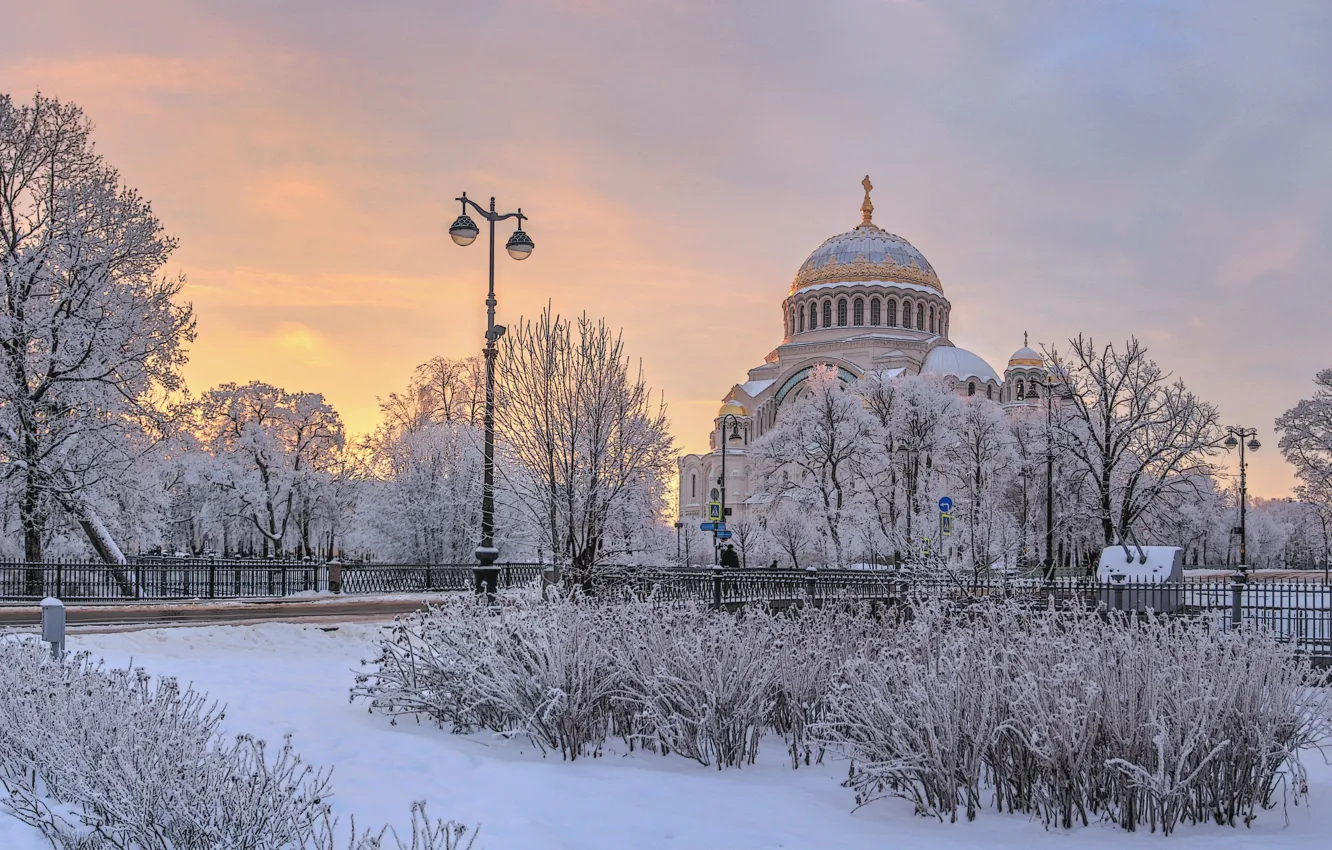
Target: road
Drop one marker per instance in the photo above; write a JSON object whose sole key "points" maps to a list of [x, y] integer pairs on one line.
{"points": [[139, 615]]}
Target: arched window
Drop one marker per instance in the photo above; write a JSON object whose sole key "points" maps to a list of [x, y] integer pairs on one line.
{"points": [[814, 317], [989, 391], [801, 326], [971, 387], [875, 313], [1021, 395], [858, 312], [827, 314], [931, 319], [892, 314], [841, 312], [920, 317], [906, 314]]}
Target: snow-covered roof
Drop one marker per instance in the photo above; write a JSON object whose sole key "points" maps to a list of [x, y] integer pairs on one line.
{"points": [[958, 363], [753, 388]]}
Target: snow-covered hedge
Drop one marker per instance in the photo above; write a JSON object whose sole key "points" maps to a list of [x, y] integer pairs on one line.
{"points": [[1068, 717], [105, 758]]}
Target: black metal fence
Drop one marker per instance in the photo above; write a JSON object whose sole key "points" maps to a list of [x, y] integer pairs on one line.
{"points": [[159, 579], [1300, 611]]}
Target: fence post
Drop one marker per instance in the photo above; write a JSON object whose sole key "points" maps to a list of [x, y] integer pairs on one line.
{"points": [[284, 579], [811, 584], [212, 578], [138, 580], [60, 580], [716, 587], [1237, 580]]}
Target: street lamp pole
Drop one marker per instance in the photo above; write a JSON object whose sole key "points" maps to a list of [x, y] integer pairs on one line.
{"points": [[1048, 564], [721, 483], [1235, 436], [463, 232]]}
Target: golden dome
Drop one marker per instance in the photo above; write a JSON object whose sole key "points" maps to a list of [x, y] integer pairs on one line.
{"points": [[1025, 357], [732, 407], [866, 253]]}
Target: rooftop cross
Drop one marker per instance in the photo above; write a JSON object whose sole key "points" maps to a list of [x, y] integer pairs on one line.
{"points": [[867, 208], [1024, 339]]}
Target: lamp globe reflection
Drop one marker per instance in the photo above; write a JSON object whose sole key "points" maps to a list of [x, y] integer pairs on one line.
{"points": [[519, 245], [464, 230]]}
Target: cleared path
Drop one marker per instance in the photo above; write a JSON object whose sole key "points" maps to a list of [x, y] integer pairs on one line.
{"points": [[324, 609]]}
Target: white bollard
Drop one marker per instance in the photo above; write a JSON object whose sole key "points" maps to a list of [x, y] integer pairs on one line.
{"points": [[53, 625]]}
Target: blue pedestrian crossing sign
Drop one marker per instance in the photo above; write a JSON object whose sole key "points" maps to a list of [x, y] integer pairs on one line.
{"points": [[945, 505], [714, 510]]}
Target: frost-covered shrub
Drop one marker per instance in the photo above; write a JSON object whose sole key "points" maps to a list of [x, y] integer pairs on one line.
{"points": [[1070, 717], [1148, 723], [104, 758], [699, 684], [543, 671]]}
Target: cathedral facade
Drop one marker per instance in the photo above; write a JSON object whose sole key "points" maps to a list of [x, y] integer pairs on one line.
{"points": [[864, 300]]}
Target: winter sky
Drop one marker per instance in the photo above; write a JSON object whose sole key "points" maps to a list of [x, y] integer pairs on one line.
{"points": [[1111, 168]]}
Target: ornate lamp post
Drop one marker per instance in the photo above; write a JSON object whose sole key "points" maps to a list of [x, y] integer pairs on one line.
{"points": [[1236, 436], [721, 482], [464, 232], [910, 479], [1048, 387]]}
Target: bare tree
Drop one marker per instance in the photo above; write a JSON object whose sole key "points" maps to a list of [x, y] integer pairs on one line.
{"points": [[980, 462], [90, 335], [814, 451], [1139, 438], [441, 390], [589, 447]]}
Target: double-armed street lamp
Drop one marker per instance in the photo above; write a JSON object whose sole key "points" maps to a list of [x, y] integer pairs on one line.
{"points": [[464, 232], [1235, 436], [721, 481], [1048, 387]]}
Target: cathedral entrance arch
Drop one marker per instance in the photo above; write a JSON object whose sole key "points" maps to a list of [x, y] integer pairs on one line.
{"points": [[845, 375]]}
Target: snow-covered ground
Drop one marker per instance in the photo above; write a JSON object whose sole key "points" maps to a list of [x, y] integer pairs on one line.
{"points": [[281, 679]]}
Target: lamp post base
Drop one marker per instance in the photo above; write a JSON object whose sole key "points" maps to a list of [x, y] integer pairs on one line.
{"points": [[485, 575]]}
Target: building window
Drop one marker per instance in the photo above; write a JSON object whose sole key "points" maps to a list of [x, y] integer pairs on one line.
{"points": [[906, 314], [693, 486], [989, 391], [841, 312], [931, 320], [827, 314], [858, 312], [971, 387], [920, 317], [892, 314], [875, 313], [813, 317], [801, 326], [1020, 393]]}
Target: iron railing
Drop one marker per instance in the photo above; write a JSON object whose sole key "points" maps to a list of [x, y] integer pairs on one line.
{"points": [[164, 579]]}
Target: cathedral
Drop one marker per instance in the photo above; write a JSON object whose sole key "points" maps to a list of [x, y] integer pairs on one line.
{"points": [[864, 300]]}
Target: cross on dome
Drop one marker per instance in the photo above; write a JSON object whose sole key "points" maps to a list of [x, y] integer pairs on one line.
{"points": [[867, 208]]}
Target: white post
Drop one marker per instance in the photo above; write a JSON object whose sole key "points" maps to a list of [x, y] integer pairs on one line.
{"points": [[53, 625]]}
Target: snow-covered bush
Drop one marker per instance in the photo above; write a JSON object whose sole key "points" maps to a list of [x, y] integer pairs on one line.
{"points": [[1070, 717], [542, 671], [104, 758], [1148, 723], [699, 684]]}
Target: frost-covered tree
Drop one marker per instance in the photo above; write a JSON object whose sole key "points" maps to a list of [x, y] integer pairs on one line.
{"points": [[812, 454], [1140, 439], [91, 336], [274, 451], [1306, 443], [980, 463], [590, 447]]}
